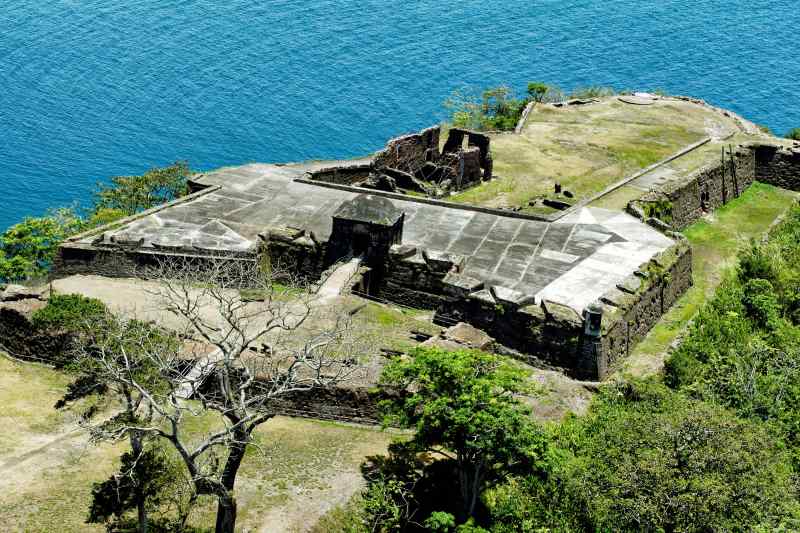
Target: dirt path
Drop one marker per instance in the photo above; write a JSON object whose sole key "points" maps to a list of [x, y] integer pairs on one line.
{"points": [[303, 511], [23, 469]]}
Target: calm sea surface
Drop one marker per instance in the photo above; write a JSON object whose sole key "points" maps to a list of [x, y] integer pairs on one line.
{"points": [[91, 89]]}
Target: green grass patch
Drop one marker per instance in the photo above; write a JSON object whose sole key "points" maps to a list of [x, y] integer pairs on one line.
{"points": [[51, 491], [392, 326], [278, 292]]}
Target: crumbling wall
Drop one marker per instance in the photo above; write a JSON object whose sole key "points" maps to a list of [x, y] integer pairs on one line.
{"points": [[679, 203], [778, 165], [409, 152], [469, 164], [343, 175], [294, 252], [465, 161], [465, 168]]}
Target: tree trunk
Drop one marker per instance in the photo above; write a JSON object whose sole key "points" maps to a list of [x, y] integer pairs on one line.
{"points": [[226, 514], [141, 510], [470, 478], [226, 506]]}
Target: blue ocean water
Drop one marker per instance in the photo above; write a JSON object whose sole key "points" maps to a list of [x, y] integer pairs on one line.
{"points": [[95, 88]]}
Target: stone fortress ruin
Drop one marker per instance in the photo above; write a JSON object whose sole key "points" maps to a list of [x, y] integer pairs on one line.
{"points": [[575, 289]]}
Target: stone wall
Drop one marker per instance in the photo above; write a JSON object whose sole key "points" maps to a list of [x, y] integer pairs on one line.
{"points": [[679, 203], [409, 152], [778, 165], [416, 278], [706, 189], [358, 405], [294, 252], [465, 168], [632, 308], [127, 261], [19, 337], [344, 175], [75, 259], [544, 333]]}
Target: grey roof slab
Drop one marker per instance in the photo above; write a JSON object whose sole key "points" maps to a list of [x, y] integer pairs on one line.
{"points": [[571, 261]]}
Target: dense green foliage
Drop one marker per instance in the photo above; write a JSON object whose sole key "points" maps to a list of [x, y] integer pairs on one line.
{"points": [[497, 108], [648, 459], [132, 194], [28, 248], [645, 458], [794, 134], [69, 312], [471, 431], [744, 346], [715, 448]]}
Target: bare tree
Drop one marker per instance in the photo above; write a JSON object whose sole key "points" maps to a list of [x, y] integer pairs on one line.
{"points": [[224, 353]]}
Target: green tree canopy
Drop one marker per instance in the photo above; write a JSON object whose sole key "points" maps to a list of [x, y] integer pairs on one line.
{"points": [[646, 458], [464, 406], [28, 248], [132, 194]]}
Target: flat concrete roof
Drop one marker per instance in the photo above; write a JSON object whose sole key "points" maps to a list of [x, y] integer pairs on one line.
{"points": [[572, 261]]}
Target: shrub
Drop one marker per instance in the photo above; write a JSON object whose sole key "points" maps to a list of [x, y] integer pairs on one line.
{"points": [[471, 430], [793, 134], [756, 263], [761, 303], [594, 91], [537, 91], [743, 346], [70, 312], [496, 108]]}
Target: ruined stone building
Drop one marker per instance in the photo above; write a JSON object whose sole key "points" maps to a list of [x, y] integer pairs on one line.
{"points": [[576, 291]]}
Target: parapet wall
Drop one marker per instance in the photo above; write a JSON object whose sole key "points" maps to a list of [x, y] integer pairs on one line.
{"points": [[631, 309], [295, 252], [778, 165], [123, 261], [679, 203]]}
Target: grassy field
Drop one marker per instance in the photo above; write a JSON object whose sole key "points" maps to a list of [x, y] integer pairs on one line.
{"points": [[715, 243], [300, 470], [586, 148]]}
